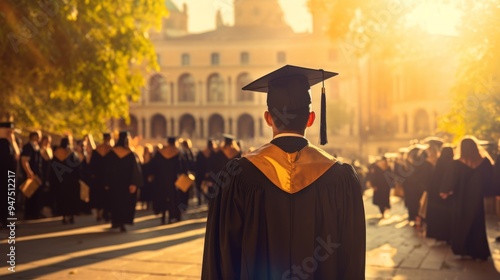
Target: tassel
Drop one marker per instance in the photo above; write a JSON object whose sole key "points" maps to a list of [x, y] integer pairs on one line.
{"points": [[323, 139], [322, 124]]}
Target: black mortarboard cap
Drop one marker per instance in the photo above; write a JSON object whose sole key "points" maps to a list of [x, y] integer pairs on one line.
{"points": [[106, 135], [124, 134], [7, 125], [171, 140], [228, 139], [288, 89]]}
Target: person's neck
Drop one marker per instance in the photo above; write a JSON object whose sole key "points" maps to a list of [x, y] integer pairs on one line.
{"points": [[288, 134]]}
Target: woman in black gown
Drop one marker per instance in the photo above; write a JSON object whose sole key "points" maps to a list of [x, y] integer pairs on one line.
{"points": [[381, 187], [123, 177], [64, 178], [464, 185], [439, 210]]}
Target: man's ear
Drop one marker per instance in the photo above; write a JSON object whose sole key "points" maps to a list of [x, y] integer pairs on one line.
{"points": [[268, 118], [310, 120]]}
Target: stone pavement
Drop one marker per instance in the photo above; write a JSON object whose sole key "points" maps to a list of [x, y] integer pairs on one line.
{"points": [[46, 249]]}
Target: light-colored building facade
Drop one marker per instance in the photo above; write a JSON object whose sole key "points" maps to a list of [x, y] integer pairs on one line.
{"points": [[197, 92]]}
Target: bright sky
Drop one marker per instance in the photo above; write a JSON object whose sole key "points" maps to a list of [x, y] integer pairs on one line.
{"points": [[202, 13]]}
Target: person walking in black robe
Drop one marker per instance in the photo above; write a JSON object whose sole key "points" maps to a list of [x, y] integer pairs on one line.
{"points": [[203, 169], [287, 210], [415, 176], [464, 184], [165, 167], [64, 177], [31, 163], [147, 190], [99, 195], [123, 177], [188, 164], [381, 188], [439, 210], [9, 155]]}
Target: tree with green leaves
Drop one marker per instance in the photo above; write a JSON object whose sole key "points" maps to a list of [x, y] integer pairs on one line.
{"points": [[476, 106], [71, 65]]}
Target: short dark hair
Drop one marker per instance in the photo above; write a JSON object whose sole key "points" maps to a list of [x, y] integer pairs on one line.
{"points": [[291, 121], [33, 134]]}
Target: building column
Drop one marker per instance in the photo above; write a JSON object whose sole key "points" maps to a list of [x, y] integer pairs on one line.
{"points": [[230, 125], [172, 127], [174, 98], [202, 98], [229, 95], [147, 127], [201, 128]]}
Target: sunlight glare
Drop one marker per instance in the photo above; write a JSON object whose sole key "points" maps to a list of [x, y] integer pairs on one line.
{"points": [[436, 18]]}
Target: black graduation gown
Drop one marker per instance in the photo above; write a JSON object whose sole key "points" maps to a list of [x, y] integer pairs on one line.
{"points": [[438, 218], [165, 169], [122, 170], [8, 163], [33, 204], [97, 169], [415, 179], [468, 227], [64, 176], [496, 177], [256, 230], [381, 196]]}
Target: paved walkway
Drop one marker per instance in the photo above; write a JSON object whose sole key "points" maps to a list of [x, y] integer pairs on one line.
{"points": [[46, 249]]}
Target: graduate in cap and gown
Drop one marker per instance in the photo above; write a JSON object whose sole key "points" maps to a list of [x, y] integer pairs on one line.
{"points": [[123, 178], [228, 150], [64, 176], [31, 163], [165, 167], [203, 169], [99, 195], [9, 156], [287, 210]]}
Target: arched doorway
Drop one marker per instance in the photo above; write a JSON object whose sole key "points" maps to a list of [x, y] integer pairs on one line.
{"points": [[186, 126], [246, 127], [215, 125], [158, 89], [158, 127]]}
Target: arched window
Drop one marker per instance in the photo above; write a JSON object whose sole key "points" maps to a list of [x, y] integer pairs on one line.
{"points": [[158, 89], [243, 95], [187, 88], [215, 125], [215, 88], [246, 127], [158, 126]]}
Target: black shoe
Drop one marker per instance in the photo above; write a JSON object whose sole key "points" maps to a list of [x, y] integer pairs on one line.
{"points": [[64, 221], [71, 220], [123, 229], [497, 239]]}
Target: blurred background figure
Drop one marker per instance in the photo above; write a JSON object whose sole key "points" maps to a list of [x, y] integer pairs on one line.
{"points": [[415, 176], [82, 148], [99, 195], [31, 163], [145, 195], [165, 167], [189, 166], [46, 152], [9, 156], [64, 177], [381, 188], [203, 169], [123, 177], [438, 217], [465, 184]]}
